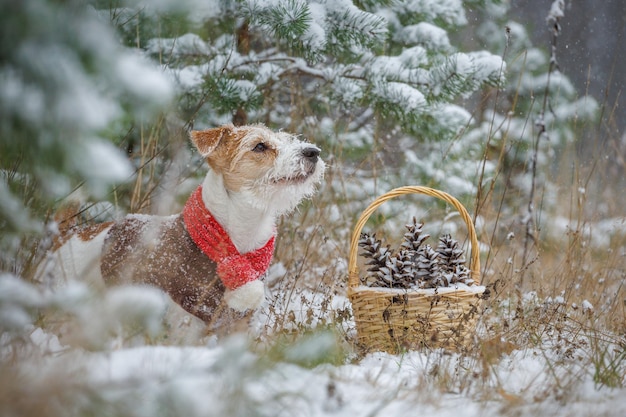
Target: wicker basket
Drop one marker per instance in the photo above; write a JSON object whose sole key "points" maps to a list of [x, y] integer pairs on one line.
{"points": [[395, 320]]}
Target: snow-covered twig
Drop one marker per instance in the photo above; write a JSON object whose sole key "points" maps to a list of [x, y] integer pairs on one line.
{"points": [[553, 19]]}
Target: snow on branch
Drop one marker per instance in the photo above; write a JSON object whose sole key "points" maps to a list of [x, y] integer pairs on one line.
{"points": [[348, 24], [426, 34]]}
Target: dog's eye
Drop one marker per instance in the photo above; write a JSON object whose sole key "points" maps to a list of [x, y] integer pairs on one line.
{"points": [[260, 147]]}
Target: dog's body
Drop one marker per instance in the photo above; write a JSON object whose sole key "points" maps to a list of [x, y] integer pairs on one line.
{"points": [[210, 257]]}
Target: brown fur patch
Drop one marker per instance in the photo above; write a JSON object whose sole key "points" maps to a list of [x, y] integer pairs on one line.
{"points": [[160, 252], [67, 219], [84, 233], [232, 153], [249, 168], [207, 140], [67, 216]]}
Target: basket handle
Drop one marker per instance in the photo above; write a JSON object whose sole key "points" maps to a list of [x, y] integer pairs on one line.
{"points": [[353, 274]]}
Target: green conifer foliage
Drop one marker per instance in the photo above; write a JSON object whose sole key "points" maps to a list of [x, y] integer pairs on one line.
{"points": [[289, 62]]}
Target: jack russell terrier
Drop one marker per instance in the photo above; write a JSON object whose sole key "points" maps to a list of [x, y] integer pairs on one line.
{"points": [[211, 257]]}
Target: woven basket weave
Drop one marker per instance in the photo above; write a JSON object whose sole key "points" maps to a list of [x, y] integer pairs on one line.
{"points": [[394, 320]]}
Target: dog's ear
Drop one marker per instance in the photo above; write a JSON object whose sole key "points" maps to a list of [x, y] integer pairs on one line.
{"points": [[207, 140]]}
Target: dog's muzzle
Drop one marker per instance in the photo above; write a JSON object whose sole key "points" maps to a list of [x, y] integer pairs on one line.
{"points": [[306, 166], [311, 154]]}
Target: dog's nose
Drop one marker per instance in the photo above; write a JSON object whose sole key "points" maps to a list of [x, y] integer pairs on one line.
{"points": [[311, 153]]}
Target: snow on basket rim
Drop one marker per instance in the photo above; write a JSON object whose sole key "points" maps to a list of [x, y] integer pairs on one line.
{"points": [[455, 288]]}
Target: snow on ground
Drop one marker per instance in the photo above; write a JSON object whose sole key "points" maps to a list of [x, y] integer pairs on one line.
{"points": [[230, 379], [293, 372], [313, 374]]}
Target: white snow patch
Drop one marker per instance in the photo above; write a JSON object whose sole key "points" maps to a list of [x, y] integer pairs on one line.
{"points": [[190, 77], [315, 35], [587, 306], [427, 34], [101, 163], [556, 10], [475, 289], [450, 11], [143, 79], [488, 66], [404, 94]]}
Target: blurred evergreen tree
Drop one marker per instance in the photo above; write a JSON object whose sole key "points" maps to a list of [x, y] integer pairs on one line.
{"points": [[66, 81]]}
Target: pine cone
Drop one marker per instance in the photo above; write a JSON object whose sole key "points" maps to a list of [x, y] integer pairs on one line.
{"points": [[441, 280], [405, 269], [382, 277], [377, 257], [369, 244], [395, 268], [462, 275], [427, 267], [413, 238], [450, 254]]}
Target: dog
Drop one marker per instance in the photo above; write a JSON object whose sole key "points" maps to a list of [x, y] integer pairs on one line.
{"points": [[209, 259]]}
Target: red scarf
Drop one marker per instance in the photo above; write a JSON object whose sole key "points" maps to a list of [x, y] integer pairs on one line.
{"points": [[233, 268]]}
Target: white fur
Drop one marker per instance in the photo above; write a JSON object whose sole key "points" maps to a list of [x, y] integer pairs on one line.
{"points": [[249, 296], [248, 227], [76, 259]]}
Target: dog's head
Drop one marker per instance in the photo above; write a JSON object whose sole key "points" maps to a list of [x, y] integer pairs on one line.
{"points": [[275, 169]]}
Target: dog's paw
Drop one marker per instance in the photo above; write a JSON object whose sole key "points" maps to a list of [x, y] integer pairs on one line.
{"points": [[249, 296]]}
